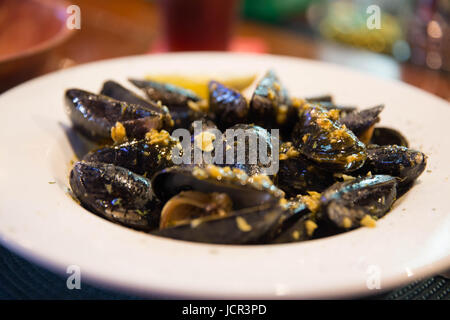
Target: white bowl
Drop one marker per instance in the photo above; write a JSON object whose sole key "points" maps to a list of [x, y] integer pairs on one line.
{"points": [[40, 221]]}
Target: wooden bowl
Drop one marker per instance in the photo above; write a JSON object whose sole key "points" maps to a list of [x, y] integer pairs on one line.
{"points": [[30, 29]]}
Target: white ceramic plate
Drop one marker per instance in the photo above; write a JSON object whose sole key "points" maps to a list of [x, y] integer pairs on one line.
{"points": [[41, 222]]}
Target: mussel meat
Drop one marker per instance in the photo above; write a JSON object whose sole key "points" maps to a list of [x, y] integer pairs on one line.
{"points": [[247, 209]]}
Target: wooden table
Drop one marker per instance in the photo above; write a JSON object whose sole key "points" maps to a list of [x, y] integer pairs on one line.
{"points": [[114, 28]]}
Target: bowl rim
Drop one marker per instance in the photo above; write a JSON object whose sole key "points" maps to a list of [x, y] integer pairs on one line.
{"points": [[52, 42]]}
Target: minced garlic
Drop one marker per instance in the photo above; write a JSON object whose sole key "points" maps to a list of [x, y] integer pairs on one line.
{"points": [[196, 222], [199, 173], [310, 227], [282, 114], [157, 137], [276, 86], [346, 222], [297, 102], [305, 137], [312, 201], [214, 172], [351, 158], [324, 123], [118, 133], [334, 114], [368, 221], [204, 141], [292, 153], [243, 224]]}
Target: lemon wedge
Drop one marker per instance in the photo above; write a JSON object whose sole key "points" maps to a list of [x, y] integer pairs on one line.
{"points": [[199, 84]]}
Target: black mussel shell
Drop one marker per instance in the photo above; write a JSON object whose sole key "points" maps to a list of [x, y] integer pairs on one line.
{"points": [[362, 123], [263, 137], [270, 102], [298, 175], [255, 210], [94, 115], [295, 224], [401, 162], [322, 98], [177, 99], [138, 156], [171, 181], [383, 136], [116, 91], [228, 106], [346, 203], [258, 221], [116, 194], [326, 142]]}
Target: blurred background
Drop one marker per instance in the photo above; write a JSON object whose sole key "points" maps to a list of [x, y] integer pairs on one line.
{"points": [[403, 39]]}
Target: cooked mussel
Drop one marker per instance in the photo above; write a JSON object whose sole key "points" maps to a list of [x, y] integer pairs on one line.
{"points": [[297, 223], [326, 101], [297, 174], [357, 202], [116, 194], [384, 136], [251, 148], [405, 164], [117, 91], [101, 118], [184, 105], [144, 157], [325, 141], [270, 102], [228, 106], [246, 210], [362, 123]]}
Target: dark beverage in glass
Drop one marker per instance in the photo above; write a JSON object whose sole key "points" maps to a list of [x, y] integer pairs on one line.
{"points": [[191, 25]]}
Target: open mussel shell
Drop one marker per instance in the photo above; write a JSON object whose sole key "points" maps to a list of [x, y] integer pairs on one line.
{"points": [[246, 226], [139, 156], [228, 106], [325, 141], [117, 91], [254, 212], [362, 123], [384, 136], [346, 204], [95, 115], [171, 181], [181, 102], [116, 194], [405, 164]]}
